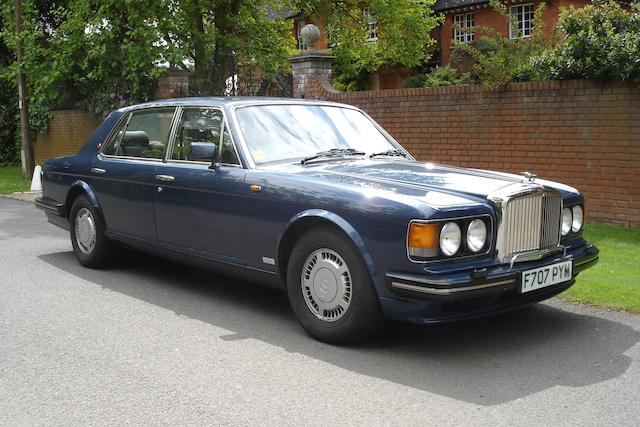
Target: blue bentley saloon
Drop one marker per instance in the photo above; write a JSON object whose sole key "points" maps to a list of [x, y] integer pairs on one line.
{"points": [[316, 199]]}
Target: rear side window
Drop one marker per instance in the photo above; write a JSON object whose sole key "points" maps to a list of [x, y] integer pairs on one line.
{"points": [[111, 147], [145, 136]]}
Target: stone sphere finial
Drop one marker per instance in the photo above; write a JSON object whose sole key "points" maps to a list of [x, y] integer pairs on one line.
{"points": [[309, 34]]}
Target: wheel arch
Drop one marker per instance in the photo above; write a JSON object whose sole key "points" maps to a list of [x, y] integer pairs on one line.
{"points": [[305, 221], [79, 188]]}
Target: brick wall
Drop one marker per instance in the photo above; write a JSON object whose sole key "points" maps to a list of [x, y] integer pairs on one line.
{"points": [[582, 133], [68, 131]]}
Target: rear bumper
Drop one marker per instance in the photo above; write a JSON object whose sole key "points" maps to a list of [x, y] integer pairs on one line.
{"points": [[54, 210], [50, 206], [462, 295]]}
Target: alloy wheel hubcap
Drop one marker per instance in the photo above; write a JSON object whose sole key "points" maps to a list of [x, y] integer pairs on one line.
{"points": [[326, 285], [85, 230]]}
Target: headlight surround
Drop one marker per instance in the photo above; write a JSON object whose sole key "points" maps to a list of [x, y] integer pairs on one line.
{"points": [[567, 221], [432, 240], [450, 238], [423, 240], [578, 218], [476, 235]]}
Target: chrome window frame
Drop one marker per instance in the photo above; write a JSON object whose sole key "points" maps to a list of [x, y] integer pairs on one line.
{"points": [[174, 125], [224, 126], [245, 146], [443, 258], [127, 116]]}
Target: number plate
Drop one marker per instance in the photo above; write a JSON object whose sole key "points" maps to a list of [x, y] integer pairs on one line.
{"points": [[546, 276]]}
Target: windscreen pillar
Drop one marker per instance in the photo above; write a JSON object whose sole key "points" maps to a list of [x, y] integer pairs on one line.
{"points": [[311, 69]]}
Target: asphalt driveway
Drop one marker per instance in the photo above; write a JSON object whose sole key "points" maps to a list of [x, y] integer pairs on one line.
{"points": [[154, 342]]}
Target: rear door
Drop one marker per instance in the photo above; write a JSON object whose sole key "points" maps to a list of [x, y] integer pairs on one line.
{"points": [[199, 208], [124, 173]]}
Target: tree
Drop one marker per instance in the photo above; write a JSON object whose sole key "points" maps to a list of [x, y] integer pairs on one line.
{"points": [[403, 35], [103, 54], [8, 105], [224, 38], [600, 41]]}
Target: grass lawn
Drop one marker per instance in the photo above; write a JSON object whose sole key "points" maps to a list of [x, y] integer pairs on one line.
{"points": [[11, 180], [615, 281]]}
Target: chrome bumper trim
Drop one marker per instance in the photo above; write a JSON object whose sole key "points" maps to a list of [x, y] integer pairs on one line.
{"points": [[448, 291]]}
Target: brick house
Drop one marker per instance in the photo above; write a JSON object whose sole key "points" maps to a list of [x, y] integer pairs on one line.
{"points": [[464, 13], [460, 14]]}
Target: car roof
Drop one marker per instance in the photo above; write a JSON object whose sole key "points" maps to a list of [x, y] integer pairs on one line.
{"points": [[228, 101]]}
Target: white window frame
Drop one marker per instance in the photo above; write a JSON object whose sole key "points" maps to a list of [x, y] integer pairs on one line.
{"points": [[519, 14], [461, 22], [300, 23], [372, 25]]}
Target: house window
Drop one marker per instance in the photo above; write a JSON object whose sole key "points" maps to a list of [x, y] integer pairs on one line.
{"points": [[299, 26], [521, 21], [372, 25], [462, 25]]}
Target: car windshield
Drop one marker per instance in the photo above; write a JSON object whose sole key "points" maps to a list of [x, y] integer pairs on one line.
{"points": [[291, 132]]}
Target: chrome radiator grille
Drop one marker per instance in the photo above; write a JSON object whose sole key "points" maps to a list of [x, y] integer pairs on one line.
{"points": [[529, 221]]}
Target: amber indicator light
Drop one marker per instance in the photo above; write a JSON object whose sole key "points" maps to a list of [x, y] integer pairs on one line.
{"points": [[423, 235]]}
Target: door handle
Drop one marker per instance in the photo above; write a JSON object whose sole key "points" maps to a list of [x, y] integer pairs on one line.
{"points": [[165, 178], [98, 171]]}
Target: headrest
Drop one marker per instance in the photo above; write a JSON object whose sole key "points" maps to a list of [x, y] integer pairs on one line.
{"points": [[135, 137]]}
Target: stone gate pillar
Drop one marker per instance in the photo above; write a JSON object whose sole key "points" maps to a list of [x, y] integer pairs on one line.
{"points": [[311, 69]]}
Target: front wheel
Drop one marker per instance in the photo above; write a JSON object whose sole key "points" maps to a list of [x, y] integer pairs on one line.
{"points": [[90, 245], [330, 289]]}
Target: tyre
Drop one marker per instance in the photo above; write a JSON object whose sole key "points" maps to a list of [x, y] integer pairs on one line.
{"points": [[90, 245], [330, 290]]}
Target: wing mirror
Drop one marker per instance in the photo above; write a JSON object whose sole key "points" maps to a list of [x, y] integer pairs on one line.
{"points": [[204, 152]]}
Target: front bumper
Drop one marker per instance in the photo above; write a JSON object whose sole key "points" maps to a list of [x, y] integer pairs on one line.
{"points": [[434, 298]]}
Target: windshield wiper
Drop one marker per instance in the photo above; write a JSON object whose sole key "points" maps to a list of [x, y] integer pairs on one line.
{"points": [[397, 153], [334, 152]]}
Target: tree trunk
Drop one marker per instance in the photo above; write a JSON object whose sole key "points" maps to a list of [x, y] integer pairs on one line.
{"points": [[224, 15], [26, 146]]}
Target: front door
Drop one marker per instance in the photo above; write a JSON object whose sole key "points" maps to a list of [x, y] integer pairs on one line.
{"points": [[198, 207], [125, 170]]}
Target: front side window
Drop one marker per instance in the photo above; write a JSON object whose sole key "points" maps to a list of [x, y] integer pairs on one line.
{"points": [[521, 21], [203, 126], [276, 133], [462, 25], [146, 135]]}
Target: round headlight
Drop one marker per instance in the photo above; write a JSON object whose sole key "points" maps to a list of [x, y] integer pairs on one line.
{"points": [[578, 218], [450, 238], [567, 220], [476, 235]]}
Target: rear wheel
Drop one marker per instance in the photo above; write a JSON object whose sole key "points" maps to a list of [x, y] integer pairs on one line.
{"points": [[90, 245], [330, 290]]}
